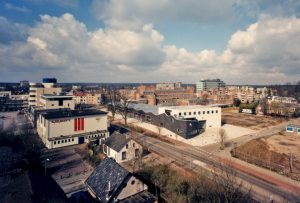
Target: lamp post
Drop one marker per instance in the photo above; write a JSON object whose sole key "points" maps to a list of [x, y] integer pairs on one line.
{"points": [[46, 165]]}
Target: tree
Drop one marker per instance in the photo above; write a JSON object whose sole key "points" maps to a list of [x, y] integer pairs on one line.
{"points": [[222, 135], [236, 102], [124, 107], [264, 105], [113, 104]]}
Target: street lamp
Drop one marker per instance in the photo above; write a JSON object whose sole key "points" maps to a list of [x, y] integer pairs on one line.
{"points": [[46, 165]]}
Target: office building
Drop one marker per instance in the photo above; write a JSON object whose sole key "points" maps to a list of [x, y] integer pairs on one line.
{"points": [[204, 85], [49, 86]]}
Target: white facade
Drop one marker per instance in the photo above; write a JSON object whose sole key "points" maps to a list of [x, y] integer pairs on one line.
{"points": [[129, 152], [70, 130], [57, 101], [212, 115], [38, 89]]}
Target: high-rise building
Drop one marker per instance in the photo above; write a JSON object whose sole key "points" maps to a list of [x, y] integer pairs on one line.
{"points": [[48, 86], [204, 85]]}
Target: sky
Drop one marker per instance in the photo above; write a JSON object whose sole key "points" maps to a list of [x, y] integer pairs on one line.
{"points": [[238, 41]]}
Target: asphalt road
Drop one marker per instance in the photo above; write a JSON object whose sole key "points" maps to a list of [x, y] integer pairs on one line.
{"points": [[199, 160]]}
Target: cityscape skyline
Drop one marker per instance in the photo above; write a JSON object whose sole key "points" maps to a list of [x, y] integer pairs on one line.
{"points": [[240, 41]]}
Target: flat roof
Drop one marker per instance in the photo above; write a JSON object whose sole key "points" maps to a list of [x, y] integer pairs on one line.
{"points": [[188, 107], [48, 96], [145, 107], [72, 113]]}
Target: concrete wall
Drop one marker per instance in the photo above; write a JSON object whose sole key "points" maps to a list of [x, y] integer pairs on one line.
{"points": [[212, 115], [91, 123], [55, 105]]}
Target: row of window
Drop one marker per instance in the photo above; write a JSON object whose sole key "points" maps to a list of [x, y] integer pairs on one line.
{"points": [[64, 141], [96, 135], [199, 113]]}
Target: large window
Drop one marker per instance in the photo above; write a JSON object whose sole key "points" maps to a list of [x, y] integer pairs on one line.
{"points": [[123, 155]]}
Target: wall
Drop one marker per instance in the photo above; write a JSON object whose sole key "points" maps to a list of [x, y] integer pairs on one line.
{"points": [[66, 127], [213, 120], [133, 186]]}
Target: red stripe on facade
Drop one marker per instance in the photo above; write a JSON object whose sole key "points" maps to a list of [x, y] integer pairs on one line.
{"points": [[78, 124], [82, 123], [75, 124]]}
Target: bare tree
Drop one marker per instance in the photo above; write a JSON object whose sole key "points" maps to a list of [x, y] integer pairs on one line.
{"points": [[222, 136], [124, 107], [264, 106], [113, 104]]}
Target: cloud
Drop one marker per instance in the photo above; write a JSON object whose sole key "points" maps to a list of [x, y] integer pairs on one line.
{"points": [[60, 3], [12, 7], [133, 13], [11, 32], [266, 51]]}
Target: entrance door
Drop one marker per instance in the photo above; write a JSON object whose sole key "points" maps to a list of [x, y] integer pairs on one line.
{"points": [[80, 140]]}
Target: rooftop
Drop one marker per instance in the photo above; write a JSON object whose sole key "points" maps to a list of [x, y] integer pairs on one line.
{"points": [[117, 141], [52, 96], [188, 107], [72, 113], [145, 107], [107, 178]]}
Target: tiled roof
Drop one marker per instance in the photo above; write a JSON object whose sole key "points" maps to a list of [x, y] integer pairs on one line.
{"points": [[117, 141], [108, 172]]}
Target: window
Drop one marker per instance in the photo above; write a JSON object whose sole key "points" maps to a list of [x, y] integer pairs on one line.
{"points": [[179, 114], [199, 112], [216, 111], [184, 113], [126, 146], [194, 112], [60, 102], [69, 140], [133, 144], [136, 152], [58, 142], [212, 111], [62, 141], [132, 182], [72, 139], [54, 142], [203, 112], [190, 113], [123, 155], [207, 112]]}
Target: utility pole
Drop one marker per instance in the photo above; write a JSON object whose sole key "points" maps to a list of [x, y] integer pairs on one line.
{"points": [[46, 165]]}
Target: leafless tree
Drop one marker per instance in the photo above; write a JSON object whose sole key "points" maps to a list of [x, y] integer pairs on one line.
{"points": [[264, 106], [124, 107], [222, 136], [113, 104]]}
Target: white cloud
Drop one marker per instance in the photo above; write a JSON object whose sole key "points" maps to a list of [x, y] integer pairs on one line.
{"points": [[133, 13], [22, 9], [266, 52]]}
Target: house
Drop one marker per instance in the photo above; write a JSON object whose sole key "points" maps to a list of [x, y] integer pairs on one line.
{"points": [[121, 147], [112, 183]]}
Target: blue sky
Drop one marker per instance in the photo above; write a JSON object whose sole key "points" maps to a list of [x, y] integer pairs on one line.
{"points": [[141, 41]]}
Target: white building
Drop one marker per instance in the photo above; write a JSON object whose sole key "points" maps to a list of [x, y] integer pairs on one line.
{"points": [[204, 85], [37, 89], [121, 147], [70, 127], [5, 94], [210, 114], [50, 101]]}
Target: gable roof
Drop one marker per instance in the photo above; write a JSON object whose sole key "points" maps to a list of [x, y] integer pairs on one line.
{"points": [[117, 140], [108, 172]]}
